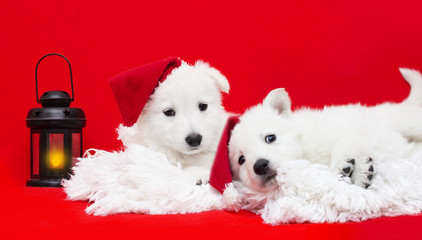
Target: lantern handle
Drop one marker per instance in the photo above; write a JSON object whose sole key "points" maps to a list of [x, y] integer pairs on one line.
{"points": [[36, 71]]}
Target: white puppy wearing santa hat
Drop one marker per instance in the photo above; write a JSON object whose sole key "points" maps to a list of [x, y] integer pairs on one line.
{"points": [[174, 108], [348, 139]]}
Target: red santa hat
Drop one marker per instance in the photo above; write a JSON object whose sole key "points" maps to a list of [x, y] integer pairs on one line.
{"points": [[221, 175], [133, 88]]}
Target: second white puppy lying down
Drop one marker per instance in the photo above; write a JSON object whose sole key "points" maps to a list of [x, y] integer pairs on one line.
{"points": [[348, 138], [182, 118]]}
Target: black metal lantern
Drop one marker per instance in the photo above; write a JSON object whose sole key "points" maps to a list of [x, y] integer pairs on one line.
{"points": [[56, 135]]}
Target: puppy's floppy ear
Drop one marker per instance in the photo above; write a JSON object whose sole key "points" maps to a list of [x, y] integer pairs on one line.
{"points": [[279, 100], [220, 80]]}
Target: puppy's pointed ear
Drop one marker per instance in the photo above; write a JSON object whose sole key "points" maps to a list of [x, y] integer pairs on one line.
{"points": [[220, 80], [279, 100]]}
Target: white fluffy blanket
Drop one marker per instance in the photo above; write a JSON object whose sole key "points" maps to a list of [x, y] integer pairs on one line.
{"points": [[139, 180], [312, 193]]}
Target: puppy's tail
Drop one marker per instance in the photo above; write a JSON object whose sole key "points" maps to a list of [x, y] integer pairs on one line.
{"points": [[414, 78]]}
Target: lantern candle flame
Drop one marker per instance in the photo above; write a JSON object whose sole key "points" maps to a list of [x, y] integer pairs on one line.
{"points": [[56, 159], [56, 152]]}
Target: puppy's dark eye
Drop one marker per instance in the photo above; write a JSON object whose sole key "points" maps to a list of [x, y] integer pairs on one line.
{"points": [[241, 160], [169, 112], [202, 107], [270, 138]]}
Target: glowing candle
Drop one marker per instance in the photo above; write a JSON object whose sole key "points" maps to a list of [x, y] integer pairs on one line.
{"points": [[56, 159], [56, 155]]}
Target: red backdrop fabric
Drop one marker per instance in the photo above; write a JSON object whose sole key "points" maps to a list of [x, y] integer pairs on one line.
{"points": [[321, 51]]}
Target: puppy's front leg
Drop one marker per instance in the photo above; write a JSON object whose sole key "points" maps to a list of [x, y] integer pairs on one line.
{"points": [[364, 172], [360, 170], [201, 174], [349, 162], [346, 167]]}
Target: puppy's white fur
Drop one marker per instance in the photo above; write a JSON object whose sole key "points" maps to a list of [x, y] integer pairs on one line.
{"points": [[183, 90], [332, 136]]}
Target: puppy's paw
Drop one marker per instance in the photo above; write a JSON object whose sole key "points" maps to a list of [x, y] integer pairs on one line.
{"points": [[364, 173], [346, 167], [200, 174], [202, 182]]}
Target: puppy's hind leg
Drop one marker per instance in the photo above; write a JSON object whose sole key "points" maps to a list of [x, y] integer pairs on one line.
{"points": [[407, 120], [404, 119]]}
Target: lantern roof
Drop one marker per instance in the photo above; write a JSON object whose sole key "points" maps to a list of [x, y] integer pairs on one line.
{"points": [[55, 99], [56, 112]]}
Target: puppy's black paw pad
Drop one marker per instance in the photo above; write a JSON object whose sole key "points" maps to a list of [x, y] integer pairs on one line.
{"points": [[346, 167], [346, 170], [200, 182], [364, 172]]}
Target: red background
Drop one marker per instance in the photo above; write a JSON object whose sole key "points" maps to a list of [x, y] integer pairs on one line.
{"points": [[323, 52]]}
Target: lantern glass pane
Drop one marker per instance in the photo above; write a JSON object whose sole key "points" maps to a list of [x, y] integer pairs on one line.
{"points": [[76, 147], [35, 138], [55, 153]]}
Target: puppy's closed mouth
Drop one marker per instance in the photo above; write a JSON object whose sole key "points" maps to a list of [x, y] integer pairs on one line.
{"points": [[269, 178], [193, 148]]}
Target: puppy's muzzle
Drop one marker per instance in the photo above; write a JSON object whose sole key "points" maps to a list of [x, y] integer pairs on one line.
{"points": [[261, 166], [194, 139]]}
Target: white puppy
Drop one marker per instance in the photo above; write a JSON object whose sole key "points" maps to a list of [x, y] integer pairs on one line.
{"points": [[184, 118], [347, 138]]}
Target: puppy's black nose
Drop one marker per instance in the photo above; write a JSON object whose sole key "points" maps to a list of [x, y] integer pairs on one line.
{"points": [[261, 166], [193, 139]]}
